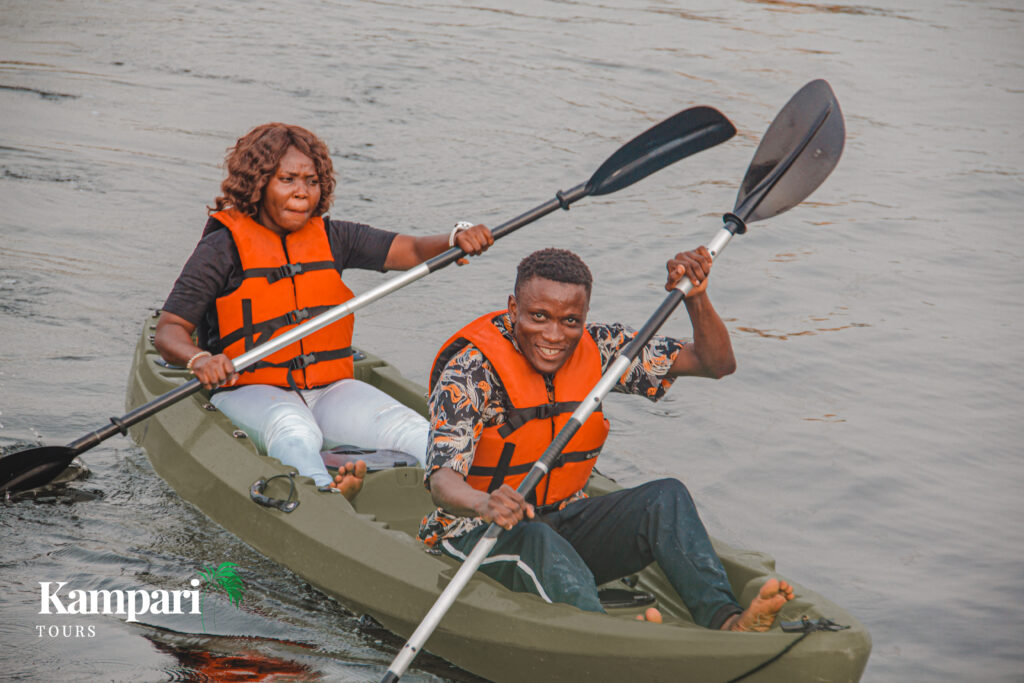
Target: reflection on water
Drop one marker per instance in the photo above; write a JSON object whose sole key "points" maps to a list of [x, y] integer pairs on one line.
{"points": [[767, 334], [226, 658], [237, 663], [890, 414]]}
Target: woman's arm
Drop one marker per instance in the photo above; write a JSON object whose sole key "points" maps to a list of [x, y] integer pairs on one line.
{"points": [[174, 342], [407, 251]]}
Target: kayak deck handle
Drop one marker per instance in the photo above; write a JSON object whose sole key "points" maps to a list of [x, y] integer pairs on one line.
{"points": [[256, 492]]}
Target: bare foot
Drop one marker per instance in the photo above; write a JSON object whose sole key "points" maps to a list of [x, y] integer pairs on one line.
{"points": [[761, 614], [350, 478], [651, 614]]}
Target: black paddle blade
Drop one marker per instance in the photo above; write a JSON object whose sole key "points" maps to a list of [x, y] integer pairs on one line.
{"points": [[801, 147], [688, 132], [37, 466]]}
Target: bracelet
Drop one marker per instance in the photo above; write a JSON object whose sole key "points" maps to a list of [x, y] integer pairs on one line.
{"points": [[459, 227], [193, 359]]}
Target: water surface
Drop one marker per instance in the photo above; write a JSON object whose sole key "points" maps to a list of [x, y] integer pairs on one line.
{"points": [[869, 440]]}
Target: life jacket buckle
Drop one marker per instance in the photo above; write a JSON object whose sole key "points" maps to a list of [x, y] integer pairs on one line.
{"points": [[294, 317], [300, 362], [287, 270], [546, 411]]}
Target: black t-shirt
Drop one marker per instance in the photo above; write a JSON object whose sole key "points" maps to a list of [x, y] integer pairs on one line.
{"points": [[215, 269]]}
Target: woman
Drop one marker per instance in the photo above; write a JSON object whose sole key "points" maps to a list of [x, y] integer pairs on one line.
{"points": [[268, 259]]}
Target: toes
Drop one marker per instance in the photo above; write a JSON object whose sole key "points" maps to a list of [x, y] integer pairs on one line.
{"points": [[776, 588], [651, 614]]}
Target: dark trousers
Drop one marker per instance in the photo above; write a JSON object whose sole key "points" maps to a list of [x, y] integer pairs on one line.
{"points": [[563, 556]]}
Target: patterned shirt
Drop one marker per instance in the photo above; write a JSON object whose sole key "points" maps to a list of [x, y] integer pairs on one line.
{"points": [[469, 396]]}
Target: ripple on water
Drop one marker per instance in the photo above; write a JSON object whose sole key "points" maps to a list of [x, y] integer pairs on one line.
{"points": [[877, 326]]}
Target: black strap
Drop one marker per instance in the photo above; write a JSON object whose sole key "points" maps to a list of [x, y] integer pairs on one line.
{"points": [[306, 359], [303, 361], [517, 417], [805, 627], [288, 270], [255, 333], [502, 469], [295, 387], [246, 332], [806, 624]]}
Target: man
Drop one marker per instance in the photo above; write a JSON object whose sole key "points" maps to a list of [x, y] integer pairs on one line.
{"points": [[502, 387]]}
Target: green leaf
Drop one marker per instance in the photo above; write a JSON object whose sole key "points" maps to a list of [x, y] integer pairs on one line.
{"points": [[228, 579], [208, 573]]}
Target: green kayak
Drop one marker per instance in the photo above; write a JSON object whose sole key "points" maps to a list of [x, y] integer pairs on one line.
{"points": [[365, 554]]}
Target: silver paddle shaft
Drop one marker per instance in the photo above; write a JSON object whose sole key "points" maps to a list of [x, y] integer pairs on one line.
{"points": [[326, 318], [442, 605]]}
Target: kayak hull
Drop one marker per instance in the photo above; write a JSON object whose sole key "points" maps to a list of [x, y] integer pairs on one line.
{"points": [[365, 555]]}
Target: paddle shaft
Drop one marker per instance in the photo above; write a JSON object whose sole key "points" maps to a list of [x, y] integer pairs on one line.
{"points": [[585, 409], [120, 425]]}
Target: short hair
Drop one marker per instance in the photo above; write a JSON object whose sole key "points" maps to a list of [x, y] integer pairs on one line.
{"points": [[560, 265], [254, 158]]}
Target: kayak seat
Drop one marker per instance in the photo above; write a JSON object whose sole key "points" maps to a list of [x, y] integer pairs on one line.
{"points": [[619, 598], [375, 460]]}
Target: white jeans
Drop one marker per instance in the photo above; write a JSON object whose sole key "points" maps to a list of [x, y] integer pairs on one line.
{"points": [[348, 412]]}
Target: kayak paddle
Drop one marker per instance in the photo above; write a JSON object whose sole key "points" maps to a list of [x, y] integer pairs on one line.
{"points": [[679, 136], [799, 150]]}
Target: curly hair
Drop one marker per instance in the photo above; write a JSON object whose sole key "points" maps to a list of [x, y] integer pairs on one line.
{"points": [[559, 265], [252, 161]]}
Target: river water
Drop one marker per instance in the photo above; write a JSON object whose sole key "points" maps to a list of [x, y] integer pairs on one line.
{"points": [[869, 441]]}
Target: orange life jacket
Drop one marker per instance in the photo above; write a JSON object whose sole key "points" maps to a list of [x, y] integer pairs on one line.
{"points": [[284, 281], [506, 453]]}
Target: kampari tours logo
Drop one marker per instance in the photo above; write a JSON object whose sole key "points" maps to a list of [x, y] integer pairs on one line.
{"points": [[57, 599]]}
